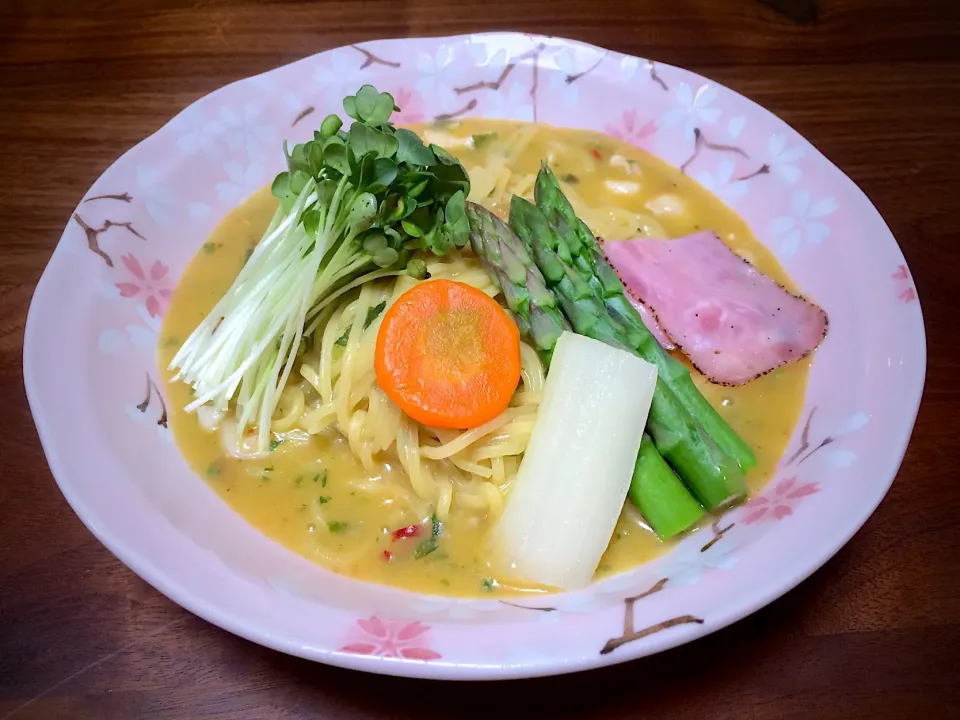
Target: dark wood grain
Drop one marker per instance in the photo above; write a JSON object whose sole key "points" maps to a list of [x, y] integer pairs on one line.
{"points": [[874, 84]]}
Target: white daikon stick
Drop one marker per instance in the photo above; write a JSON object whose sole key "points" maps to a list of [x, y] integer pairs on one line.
{"points": [[574, 477]]}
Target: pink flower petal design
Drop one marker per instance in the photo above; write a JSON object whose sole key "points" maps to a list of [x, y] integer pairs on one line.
{"points": [[758, 501], [134, 266], [755, 516], [908, 295], [781, 511], [373, 626], [613, 132], [153, 307], [360, 649], [901, 273], [411, 630], [784, 487], [803, 491], [157, 271], [418, 653], [128, 289], [648, 129], [164, 292]]}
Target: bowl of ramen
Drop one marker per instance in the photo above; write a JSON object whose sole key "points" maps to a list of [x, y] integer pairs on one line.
{"points": [[473, 357]]}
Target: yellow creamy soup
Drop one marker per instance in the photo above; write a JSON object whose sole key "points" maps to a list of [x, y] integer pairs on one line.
{"points": [[359, 513]]}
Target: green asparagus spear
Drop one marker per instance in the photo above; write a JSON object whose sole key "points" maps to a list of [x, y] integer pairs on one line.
{"points": [[659, 495], [591, 264], [533, 306], [714, 478], [508, 261]]}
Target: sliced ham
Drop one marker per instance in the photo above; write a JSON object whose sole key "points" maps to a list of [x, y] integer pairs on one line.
{"points": [[732, 321], [650, 320]]}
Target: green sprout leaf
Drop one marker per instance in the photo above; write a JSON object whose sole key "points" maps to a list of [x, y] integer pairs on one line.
{"points": [[367, 195], [335, 155], [350, 107], [383, 109], [366, 102], [411, 229], [363, 212], [330, 126], [412, 150]]}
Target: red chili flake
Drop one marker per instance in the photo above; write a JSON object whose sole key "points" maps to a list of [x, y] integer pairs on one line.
{"points": [[407, 532], [387, 555], [596, 154]]}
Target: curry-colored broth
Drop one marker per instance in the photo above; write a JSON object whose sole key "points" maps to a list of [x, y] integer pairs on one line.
{"points": [[300, 495]]}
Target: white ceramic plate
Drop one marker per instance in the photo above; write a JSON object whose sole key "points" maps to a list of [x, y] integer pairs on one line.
{"points": [[91, 374]]}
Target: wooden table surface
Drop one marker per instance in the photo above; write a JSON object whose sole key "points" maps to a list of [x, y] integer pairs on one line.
{"points": [[874, 84]]}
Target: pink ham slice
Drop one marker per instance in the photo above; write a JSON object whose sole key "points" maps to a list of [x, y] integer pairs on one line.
{"points": [[650, 320], [732, 321]]}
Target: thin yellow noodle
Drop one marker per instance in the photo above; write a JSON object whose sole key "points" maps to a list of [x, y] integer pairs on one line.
{"points": [[445, 499], [498, 470], [514, 446], [494, 498], [331, 333], [343, 403], [293, 400], [308, 373], [531, 369], [474, 468], [408, 450], [469, 437], [472, 501], [442, 468], [355, 439], [523, 398], [510, 464], [319, 419]]}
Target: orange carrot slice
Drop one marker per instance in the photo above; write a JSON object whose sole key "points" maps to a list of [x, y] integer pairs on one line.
{"points": [[448, 355]]}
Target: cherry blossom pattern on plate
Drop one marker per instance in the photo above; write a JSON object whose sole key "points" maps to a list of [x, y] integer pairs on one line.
{"points": [[299, 109], [438, 77], [735, 126], [905, 290], [631, 129], [454, 608], [629, 67], [149, 284], [390, 639], [152, 407], [572, 65], [687, 564], [779, 503], [514, 103], [143, 335], [411, 108], [631, 634], [156, 197], [93, 235], [196, 133], [779, 160], [692, 109], [339, 73], [242, 180], [722, 182], [837, 457], [782, 159], [805, 224], [246, 131]]}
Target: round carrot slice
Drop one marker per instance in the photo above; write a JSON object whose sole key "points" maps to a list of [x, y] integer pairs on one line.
{"points": [[448, 355]]}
